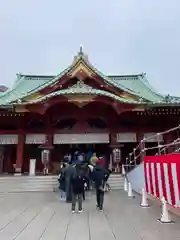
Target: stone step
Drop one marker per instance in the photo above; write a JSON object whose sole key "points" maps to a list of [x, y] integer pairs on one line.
{"points": [[28, 182], [12, 184], [24, 178], [116, 181]]}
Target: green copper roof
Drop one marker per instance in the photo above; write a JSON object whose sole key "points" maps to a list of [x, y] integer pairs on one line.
{"points": [[137, 85], [83, 58], [21, 87], [83, 89]]}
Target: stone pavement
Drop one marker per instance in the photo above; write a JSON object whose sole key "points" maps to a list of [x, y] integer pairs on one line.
{"points": [[35, 216]]}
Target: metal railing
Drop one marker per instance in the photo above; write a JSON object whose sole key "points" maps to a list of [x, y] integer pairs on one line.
{"points": [[156, 144]]}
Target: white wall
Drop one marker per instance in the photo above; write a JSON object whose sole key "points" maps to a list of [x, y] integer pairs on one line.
{"points": [[136, 177]]}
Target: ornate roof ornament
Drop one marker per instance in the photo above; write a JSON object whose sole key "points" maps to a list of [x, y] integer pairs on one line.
{"points": [[141, 100], [168, 98], [81, 86], [79, 55], [171, 99], [19, 74]]}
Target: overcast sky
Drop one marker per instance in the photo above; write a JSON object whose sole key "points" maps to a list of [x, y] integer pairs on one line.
{"points": [[120, 37]]}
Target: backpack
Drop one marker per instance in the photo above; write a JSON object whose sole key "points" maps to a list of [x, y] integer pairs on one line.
{"points": [[77, 183]]}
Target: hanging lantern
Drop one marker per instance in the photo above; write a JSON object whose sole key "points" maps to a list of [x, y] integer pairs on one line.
{"points": [[45, 156], [116, 155]]}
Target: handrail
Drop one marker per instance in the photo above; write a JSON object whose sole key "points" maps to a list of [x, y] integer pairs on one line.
{"points": [[158, 134], [171, 144], [162, 133], [136, 156]]}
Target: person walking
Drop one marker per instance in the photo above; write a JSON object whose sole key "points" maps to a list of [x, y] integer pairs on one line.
{"points": [[69, 171], [77, 183], [93, 159], [102, 161], [62, 182], [80, 157], [100, 175]]}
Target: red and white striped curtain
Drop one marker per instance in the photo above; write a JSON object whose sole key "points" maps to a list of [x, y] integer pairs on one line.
{"points": [[162, 177]]}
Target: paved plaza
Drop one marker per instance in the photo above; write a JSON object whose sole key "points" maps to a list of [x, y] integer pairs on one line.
{"points": [[33, 216]]}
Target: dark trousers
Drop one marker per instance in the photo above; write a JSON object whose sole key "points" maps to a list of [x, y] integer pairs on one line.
{"points": [[68, 192], [83, 194], [99, 198], [75, 198], [88, 184]]}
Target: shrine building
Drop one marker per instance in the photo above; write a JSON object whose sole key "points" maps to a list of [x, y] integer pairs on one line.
{"points": [[83, 108]]}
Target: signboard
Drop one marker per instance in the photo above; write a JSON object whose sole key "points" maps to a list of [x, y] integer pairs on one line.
{"points": [[90, 138], [126, 137], [35, 138], [8, 139]]}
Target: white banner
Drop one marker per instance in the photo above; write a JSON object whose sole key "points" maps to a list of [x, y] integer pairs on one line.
{"points": [[8, 139], [126, 137], [81, 138], [153, 137], [35, 138]]}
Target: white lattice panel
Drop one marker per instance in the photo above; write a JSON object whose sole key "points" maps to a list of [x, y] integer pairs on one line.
{"points": [[35, 138], [8, 139], [81, 138], [126, 137]]}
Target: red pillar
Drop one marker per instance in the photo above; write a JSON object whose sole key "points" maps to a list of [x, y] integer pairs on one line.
{"points": [[49, 140], [19, 155], [113, 140]]}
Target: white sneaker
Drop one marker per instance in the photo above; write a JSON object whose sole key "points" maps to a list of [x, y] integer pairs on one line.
{"points": [[80, 211], [73, 211]]}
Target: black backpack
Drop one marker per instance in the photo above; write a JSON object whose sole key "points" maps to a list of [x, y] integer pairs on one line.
{"points": [[78, 183]]}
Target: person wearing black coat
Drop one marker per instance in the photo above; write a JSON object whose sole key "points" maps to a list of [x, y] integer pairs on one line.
{"points": [[77, 183], [69, 172], [62, 185], [99, 175]]}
